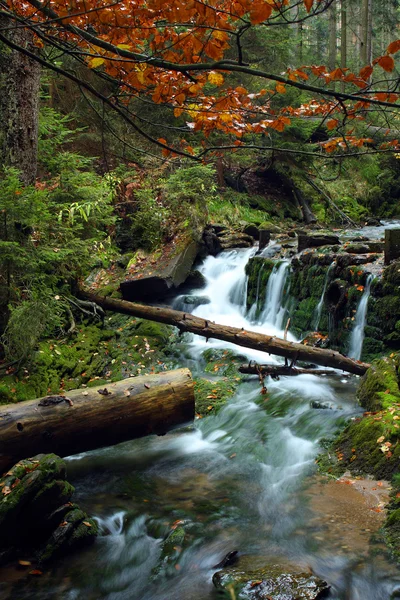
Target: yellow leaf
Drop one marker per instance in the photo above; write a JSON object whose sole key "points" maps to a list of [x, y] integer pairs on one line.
{"points": [[124, 46], [215, 78], [96, 62]]}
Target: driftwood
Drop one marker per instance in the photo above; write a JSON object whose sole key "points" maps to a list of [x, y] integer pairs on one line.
{"points": [[90, 418], [281, 371], [248, 339]]}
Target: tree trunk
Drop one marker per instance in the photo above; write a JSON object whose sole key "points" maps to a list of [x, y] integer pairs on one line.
{"points": [[343, 38], [332, 36], [94, 417], [281, 371], [19, 103], [366, 32], [241, 337]]}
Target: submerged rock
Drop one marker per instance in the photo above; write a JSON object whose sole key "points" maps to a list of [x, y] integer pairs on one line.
{"points": [[271, 582], [36, 515]]}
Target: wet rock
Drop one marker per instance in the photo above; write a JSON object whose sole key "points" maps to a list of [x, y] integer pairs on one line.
{"points": [[316, 241], [196, 300], [271, 227], [271, 582], [264, 238], [36, 515], [321, 405], [194, 281], [164, 278], [210, 244], [373, 222], [392, 245], [357, 249], [252, 230], [236, 240]]}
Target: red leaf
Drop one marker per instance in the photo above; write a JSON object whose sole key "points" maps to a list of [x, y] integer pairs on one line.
{"points": [[308, 4], [394, 47], [386, 62]]}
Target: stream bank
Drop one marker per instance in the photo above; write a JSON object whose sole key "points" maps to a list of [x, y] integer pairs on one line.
{"points": [[236, 480]]}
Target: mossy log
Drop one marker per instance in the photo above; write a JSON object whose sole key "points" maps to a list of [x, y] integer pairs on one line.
{"points": [[90, 418], [248, 339], [281, 371]]}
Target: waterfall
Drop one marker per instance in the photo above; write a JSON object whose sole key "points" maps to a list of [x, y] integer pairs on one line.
{"points": [[357, 335], [253, 310], [274, 311], [318, 310]]}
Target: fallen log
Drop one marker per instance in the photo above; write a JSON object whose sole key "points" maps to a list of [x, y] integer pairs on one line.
{"points": [[94, 417], [281, 371], [241, 337]]}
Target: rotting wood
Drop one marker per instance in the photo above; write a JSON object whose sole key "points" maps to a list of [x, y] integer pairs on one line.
{"points": [[241, 337], [94, 417], [281, 371]]}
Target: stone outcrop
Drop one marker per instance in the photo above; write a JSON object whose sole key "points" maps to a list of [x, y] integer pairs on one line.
{"points": [[392, 245], [316, 241], [37, 518], [273, 580], [155, 282]]}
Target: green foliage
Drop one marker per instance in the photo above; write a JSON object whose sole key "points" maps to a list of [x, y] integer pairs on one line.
{"points": [[48, 236]]}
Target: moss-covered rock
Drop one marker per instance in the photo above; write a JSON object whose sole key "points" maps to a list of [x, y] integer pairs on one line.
{"points": [[211, 394], [96, 354], [258, 270], [36, 515], [379, 387]]}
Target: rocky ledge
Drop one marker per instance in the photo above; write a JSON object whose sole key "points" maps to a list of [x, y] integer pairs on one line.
{"points": [[38, 521]]}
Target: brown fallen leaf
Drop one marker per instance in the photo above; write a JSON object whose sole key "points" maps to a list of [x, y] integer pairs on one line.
{"points": [[87, 523], [24, 563], [127, 393], [6, 490], [146, 385], [35, 572]]}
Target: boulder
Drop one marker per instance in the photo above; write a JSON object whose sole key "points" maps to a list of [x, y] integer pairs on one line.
{"points": [[264, 238], [36, 515], [271, 581], [156, 282], [357, 249], [392, 245], [373, 222], [315, 241], [235, 240], [210, 243], [252, 230], [194, 281]]}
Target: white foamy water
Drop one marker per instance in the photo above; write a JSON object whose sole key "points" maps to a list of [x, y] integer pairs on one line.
{"points": [[357, 334]]}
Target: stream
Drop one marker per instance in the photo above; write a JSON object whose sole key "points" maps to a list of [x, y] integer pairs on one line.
{"points": [[241, 480]]}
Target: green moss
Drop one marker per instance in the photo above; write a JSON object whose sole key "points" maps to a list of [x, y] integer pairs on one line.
{"points": [[210, 396], [379, 387], [96, 354]]}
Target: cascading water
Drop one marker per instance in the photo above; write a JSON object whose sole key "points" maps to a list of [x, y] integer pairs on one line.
{"points": [[357, 334], [274, 310], [318, 310], [237, 480]]}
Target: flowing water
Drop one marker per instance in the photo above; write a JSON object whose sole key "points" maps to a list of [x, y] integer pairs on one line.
{"points": [[318, 309], [241, 480], [357, 334]]}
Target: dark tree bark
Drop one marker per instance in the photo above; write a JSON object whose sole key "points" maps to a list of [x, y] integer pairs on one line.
{"points": [[248, 339], [91, 418], [19, 103]]}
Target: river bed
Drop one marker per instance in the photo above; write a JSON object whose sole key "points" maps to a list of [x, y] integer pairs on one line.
{"points": [[243, 479]]}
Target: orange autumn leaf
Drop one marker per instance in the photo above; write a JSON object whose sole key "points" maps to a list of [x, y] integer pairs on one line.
{"points": [[386, 62], [308, 4], [393, 47], [332, 124], [366, 72], [260, 12], [280, 88]]}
